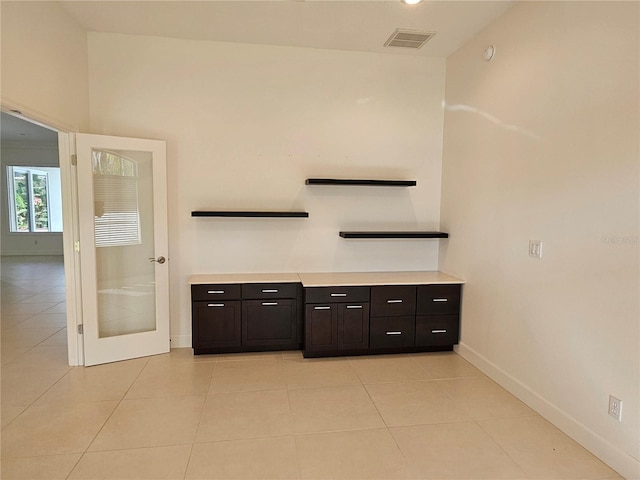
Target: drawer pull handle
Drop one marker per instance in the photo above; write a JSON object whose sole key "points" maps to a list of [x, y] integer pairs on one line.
{"points": [[322, 308], [338, 294], [438, 331], [268, 304], [267, 290], [394, 301], [394, 333], [215, 305], [440, 299], [354, 306], [215, 291]]}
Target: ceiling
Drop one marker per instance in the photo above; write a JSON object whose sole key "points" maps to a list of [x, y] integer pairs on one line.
{"points": [[14, 129], [361, 25]]}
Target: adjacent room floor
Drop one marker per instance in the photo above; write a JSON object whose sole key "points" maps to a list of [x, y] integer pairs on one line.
{"points": [[270, 415]]}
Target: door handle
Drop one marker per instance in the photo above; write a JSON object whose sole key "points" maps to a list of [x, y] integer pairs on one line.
{"points": [[159, 260]]}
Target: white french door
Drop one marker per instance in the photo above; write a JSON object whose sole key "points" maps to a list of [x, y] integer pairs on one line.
{"points": [[122, 210]]}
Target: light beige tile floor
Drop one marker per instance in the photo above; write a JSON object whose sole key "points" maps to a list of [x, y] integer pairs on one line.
{"points": [[264, 415]]}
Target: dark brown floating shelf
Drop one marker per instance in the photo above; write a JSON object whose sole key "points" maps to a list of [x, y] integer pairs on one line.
{"points": [[250, 214], [388, 234], [361, 182]]}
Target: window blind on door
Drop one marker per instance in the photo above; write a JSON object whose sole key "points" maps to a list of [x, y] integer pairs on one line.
{"points": [[117, 218]]}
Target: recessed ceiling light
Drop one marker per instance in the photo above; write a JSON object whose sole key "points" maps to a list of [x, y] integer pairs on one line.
{"points": [[411, 2]]}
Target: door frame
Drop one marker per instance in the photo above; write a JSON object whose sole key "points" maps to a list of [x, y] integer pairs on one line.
{"points": [[70, 223]]}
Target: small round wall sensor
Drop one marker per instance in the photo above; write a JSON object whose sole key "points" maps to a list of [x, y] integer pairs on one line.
{"points": [[489, 52]]}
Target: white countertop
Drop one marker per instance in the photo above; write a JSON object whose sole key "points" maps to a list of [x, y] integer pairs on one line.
{"points": [[329, 279], [345, 279], [244, 278]]}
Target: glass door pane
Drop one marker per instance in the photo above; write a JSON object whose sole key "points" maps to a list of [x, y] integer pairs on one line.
{"points": [[124, 241]]}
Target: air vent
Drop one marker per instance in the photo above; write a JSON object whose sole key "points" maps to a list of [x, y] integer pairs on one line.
{"points": [[408, 38]]}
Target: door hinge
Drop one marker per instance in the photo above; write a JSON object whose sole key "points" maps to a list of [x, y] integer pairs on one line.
{"points": [[74, 159], [80, 329], [76, 246]]}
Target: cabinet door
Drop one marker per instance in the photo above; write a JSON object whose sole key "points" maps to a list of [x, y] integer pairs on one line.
{"points": [[269, 322], [216, 324], [353, 326], [437, 330], [321, 328]]}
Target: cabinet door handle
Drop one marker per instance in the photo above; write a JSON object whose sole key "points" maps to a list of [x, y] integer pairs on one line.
{"points": [[269, 290], [440, 299], [215, 305], [438, 331], [322, 308], [394, 333], [268, 304], [354, 306], [215, 291], [338, 294], [394, 301]]}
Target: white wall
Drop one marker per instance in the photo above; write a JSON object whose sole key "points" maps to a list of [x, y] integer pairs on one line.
{"points": [[245, 126], [32, 155], [44, 64], [542, 143]]}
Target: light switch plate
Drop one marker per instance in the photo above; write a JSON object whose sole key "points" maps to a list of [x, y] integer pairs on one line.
{"points": [[535, 248]]}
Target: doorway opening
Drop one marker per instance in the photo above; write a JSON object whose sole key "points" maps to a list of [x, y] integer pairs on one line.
{"points": [[37, 265]]}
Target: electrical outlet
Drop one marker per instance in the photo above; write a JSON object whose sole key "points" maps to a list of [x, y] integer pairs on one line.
{"points": [[535, 248], [615, 408]]}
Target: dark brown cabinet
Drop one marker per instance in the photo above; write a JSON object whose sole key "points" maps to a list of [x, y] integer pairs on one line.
{"points": [[216, 324], [381, 319], [270, 322], [353, 326], [438, 315], [438, 299], [246, 317], [393, 313], [339, 323], [321, 328], [436, 330]]}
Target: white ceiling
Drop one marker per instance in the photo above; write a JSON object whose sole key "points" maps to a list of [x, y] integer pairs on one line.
{"points": [[14, 129], [362, 25]]}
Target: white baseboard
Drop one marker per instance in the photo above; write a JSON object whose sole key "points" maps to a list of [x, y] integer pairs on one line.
{"points": [[180, 341], [20, 253], [620, 461]]}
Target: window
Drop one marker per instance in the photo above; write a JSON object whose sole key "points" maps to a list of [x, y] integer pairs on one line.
{"points": [[115, 194], [35, 203]]}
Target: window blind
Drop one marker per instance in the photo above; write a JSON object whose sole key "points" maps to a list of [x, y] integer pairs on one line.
{"points": [[117, 219]]}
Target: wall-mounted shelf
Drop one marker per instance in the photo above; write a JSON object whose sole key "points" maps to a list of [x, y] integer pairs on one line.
{"points": [[249, 214], [393, 234], [361, 182]]}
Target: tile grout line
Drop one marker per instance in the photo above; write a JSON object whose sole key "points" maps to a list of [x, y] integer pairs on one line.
{"points": [[86, 450], [521, 467]]}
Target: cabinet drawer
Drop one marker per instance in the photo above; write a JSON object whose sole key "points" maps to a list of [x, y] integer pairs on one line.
{"points": [[258, 291], [438, 299], [392, 332], [336, 294], [215, 292], [437, 330], [393, 300]]}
